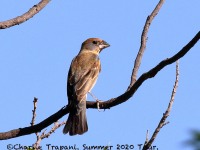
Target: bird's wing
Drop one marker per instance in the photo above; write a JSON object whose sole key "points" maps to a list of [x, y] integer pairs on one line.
{"points": [[82, 77]]}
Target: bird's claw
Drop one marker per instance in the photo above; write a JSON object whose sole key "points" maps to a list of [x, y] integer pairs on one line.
{"points": [[97, 101]]}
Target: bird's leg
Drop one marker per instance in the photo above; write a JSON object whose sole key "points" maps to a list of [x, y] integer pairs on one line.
{"points": [[96, 100]]}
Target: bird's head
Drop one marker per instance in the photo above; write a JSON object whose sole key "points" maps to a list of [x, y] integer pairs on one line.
{"points": [[94, 44]]}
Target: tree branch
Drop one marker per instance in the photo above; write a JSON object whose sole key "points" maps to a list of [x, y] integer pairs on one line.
{"points": [[35, 128], [150, 74], [20, 19], [162, 122], [106, 104], [34, 111], [143, 42], [46, 135]]}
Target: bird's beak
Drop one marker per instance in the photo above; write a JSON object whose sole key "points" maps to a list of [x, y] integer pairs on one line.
{"points": [[103, 45]]}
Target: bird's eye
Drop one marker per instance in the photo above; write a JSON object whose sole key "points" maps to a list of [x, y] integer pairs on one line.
{"points": [[94, 42]]}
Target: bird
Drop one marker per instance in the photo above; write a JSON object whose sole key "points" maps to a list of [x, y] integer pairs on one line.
{"points": [[82, 76]]}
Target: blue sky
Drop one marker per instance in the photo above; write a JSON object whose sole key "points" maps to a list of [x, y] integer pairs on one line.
{"points": [[35, 57]]}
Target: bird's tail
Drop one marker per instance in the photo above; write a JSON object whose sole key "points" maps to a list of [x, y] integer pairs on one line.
{"points": [[76, 122]]}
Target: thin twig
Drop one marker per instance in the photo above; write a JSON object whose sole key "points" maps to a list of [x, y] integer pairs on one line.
{"points": [[143, 42], [34, 111], [26, 16], [39, 139], [43, 135], [167, 112], [56, 126], [34, 117], [147, 137], [46, 135]]}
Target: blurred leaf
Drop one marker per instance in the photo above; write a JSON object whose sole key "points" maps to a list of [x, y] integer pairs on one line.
{"points": [[195, 140]]}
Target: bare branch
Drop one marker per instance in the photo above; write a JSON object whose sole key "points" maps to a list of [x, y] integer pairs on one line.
{"points": [[106, 104], [143, 42], [20, 19], [147, 138], [35, 128], [56, 126], [167, 112], [150, 74], [37, 143], [43, 135], [34, 111]]}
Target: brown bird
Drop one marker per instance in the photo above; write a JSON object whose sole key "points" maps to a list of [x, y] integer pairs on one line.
{"points": [[82, 76]]}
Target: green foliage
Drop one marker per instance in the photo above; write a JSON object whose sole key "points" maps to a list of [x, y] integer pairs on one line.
{"points": [[195, 140]]}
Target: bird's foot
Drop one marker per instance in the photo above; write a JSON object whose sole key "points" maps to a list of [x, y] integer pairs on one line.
{"points": [[98, 101]]}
